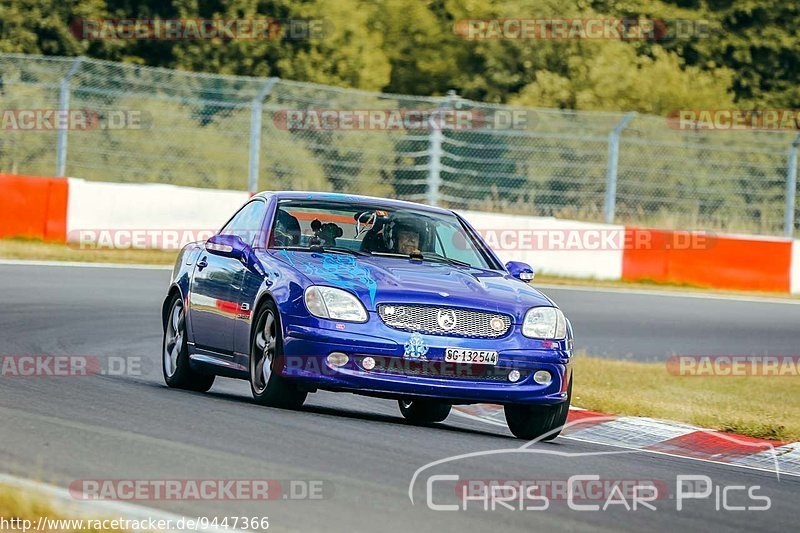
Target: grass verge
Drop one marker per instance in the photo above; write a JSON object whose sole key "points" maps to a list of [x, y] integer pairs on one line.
{"points": [[27, 508], [47, 251], [762, 407]]}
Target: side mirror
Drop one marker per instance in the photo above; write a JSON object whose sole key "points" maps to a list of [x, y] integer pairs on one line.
{"points": [[520, 270], [227, 245]]}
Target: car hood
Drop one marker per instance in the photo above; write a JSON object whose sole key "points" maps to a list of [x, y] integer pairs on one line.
{"points": [[393, 280]]}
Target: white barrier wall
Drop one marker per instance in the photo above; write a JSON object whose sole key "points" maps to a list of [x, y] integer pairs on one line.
{"points": [[120, 214], [124, 212], [554, 246]]}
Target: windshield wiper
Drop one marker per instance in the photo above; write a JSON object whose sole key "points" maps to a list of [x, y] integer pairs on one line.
{"points": [[320, 249], [389, 254], [433, 256], [335, 249], [427, 256]]}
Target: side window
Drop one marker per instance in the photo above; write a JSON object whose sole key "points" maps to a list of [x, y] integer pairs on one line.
{"points": [[247, 222]]}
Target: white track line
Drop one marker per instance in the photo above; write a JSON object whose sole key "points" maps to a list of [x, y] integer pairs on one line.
{"points": [[672, 294], [82, 264]]}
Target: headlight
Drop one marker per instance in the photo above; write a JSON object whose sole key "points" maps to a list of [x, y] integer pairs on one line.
{"points": [[544, 323], [334, 304]]}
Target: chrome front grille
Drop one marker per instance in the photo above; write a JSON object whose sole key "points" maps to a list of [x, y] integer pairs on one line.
{"points": [[437, 320]]}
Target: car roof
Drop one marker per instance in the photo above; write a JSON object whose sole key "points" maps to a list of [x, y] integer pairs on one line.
{"points": [[349, 198]]}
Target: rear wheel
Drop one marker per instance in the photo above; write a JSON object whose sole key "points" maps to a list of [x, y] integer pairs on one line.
{"points": [[543, 422], [424, 411], [268, 387], [175, 353]]}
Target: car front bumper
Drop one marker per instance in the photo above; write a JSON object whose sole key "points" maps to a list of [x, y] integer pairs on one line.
{"points": [[306, 349]]}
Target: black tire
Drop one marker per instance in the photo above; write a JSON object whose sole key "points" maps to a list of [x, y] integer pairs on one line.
{"points": [[178, 373], [266, 347], [543, 422], [424, 411]]}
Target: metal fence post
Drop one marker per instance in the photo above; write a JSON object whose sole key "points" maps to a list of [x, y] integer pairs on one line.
{"points": [[63, 107], [434, 166], [791, 189], [435, 151], [611, 171], [256, 110]]}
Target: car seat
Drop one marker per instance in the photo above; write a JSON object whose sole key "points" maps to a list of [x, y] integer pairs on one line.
{"points": [[286, 231]]}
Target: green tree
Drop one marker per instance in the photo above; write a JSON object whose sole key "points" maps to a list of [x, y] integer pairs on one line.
{"points": [[617, 78], [41, 26]]}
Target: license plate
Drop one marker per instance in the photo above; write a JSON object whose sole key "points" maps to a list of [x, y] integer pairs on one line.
{"points": [[476, 357]]}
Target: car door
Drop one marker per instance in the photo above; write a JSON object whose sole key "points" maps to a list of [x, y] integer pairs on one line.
{"points": [[251, 283], [217, 282]]}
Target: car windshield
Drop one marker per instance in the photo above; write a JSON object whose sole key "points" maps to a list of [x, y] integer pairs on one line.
{"points": [[378, 230]]}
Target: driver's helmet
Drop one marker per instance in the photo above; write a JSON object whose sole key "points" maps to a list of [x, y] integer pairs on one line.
{"points": [[406, 233], [390, 233]]}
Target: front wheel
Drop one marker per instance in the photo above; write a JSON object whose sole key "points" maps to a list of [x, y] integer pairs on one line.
{"points": [[175, 353], [424, 411], [268, 387], [543, 422]]}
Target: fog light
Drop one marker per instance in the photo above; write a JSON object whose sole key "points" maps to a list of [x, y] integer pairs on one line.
{"points": [[542, 377], [513, 376], [337, 359], [368, 363]]}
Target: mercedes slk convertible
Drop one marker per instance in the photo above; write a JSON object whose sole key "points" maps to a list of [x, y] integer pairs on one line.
{"points": [[300, 292]]}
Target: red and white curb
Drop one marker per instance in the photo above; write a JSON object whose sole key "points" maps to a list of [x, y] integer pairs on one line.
{"points": [[663, 437]]}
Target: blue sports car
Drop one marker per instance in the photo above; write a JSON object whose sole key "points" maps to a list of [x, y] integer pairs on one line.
{"points": [[306, 291]]}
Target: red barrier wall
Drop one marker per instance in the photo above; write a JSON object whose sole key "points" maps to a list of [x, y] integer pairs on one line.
{"points": [[33, 207], [724, 262]]}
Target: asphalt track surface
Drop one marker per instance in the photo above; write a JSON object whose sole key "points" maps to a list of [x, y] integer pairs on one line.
{"points": [[653, 325], [62, 429]]}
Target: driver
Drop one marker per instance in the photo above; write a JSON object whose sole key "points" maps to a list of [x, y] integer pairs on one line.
{"points": [[408, 241], [407, 235], [400, 234]]}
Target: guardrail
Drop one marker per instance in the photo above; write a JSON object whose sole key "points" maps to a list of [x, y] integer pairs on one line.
{"points": [[151, 125]]}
